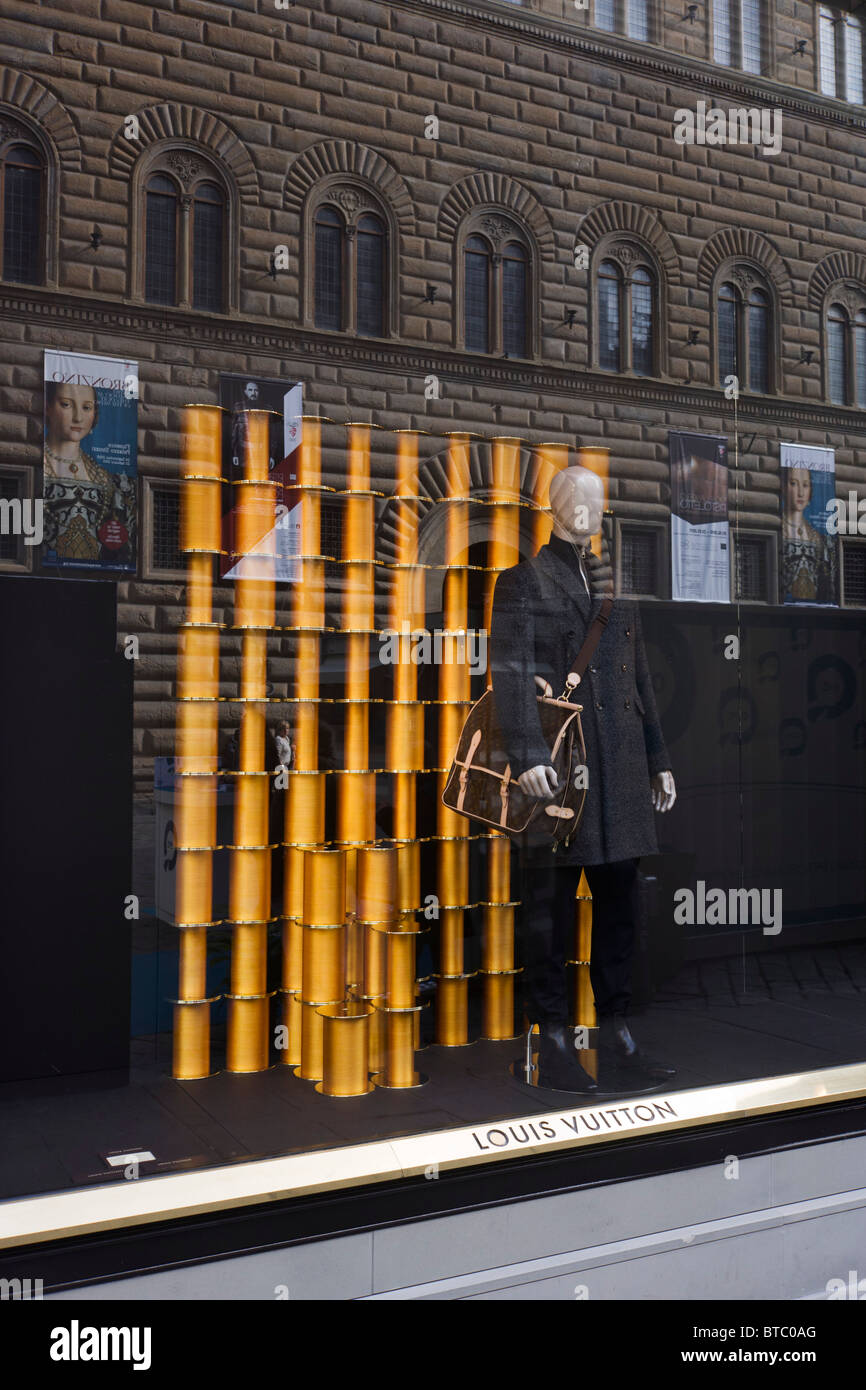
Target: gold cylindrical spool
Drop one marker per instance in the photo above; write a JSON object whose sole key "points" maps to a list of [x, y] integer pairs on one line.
{"points": [[250, 884], [324, 890], [399, 1069], [376, 1041], [201, 441], [358, 530], [597, 460], [550, 459], [400, 953], [498, 938], [324, 962], [199, 588], [499, 869], [312, 1039], [293, 953], [308, 595], [192, 964], [247, 1034], [198, 660], [376, 883], [345, 1050], [356, 806], [452, 1022], [252, 794], [408, 877], [498, 1006], [191, 1041], [451, 924], [375, 964], [193, 889], [249, 965], [292, 1010], [197, 737], [195, 812], [453, 871], [357, 690], [356, 936], [404, 736], [201, 515], [404, 805]]}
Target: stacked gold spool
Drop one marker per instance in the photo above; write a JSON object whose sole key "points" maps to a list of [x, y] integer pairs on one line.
{"points": [[389, 977], [503, 551], [349, 907], [250, 864], [197, 738], [323, 952], [304, 819], [452, 992], [404, 750], [356, 784]]}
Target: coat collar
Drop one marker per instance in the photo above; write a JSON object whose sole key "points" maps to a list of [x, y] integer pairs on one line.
{"points": [[565, 579]]}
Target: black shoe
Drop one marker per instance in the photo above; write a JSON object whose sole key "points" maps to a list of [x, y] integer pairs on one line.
{"points": [[616, 1035], [558, 1067]]}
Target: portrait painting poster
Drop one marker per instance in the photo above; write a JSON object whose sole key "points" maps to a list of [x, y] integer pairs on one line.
{"points": [[700, 530], [238, 396], [809, 554], [89, 462]]}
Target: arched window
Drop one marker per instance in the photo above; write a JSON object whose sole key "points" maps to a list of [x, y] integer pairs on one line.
{"points": [[515, 267], [494, 299], [744, 335], [328, 268], [626, 297], [641, 295], [185, 231], [22, 192], [846, 348], [208, 241], [160, 262], [759, 341], [609, 282], [477, 258], [349, 287], [837, 355], [370, 290], [860, 359]]}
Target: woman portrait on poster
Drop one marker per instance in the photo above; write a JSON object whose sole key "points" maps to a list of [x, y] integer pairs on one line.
{"points": [[79, 496], [808, 558]]}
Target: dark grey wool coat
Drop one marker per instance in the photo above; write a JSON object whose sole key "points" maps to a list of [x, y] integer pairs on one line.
{"points": [[541, 613]]}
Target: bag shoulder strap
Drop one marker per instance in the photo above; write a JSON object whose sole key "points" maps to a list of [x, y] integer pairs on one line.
{"points": [[592, 639]]}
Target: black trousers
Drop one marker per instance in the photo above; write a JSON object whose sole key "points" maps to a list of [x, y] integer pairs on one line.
{"points": [[547, 928]]}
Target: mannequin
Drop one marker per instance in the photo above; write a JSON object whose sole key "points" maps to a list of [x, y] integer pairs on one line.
{"points": [[542, 610]]}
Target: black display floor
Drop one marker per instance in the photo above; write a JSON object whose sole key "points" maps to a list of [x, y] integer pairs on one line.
{"points": [[718, 1021]]}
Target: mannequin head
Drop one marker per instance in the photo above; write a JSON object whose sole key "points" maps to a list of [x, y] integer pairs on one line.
{"points": [[577, 504]]}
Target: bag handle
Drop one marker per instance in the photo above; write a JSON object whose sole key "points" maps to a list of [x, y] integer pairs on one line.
{"points": [[591, 641]]}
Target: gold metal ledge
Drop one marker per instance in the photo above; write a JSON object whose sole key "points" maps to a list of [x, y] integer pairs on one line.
{"points": [[135, 1202]]}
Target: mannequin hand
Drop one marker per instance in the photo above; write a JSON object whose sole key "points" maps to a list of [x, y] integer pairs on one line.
{"points": [[664, 791], [538, 781]]}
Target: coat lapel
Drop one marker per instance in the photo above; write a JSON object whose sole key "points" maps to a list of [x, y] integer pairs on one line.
{"points": [[558, 572]]}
